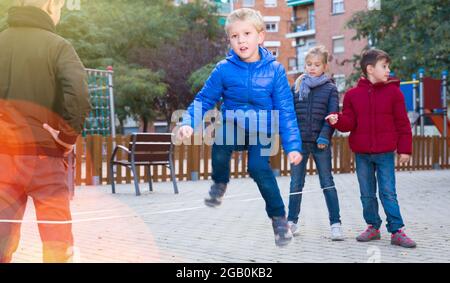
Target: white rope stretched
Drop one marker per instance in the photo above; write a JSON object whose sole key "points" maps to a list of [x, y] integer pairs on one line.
{"points": [[28, 221]]}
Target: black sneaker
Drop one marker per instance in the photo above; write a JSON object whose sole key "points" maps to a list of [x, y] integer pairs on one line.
{"points": [[216, 194], [283, 234]]}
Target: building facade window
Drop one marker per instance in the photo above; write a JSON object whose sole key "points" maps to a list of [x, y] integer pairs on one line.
{"points": [[272, 27], [373, 5], [270, 3], [312, 18], [303, 47], [248, 3], [338, 44], [293, 64], [338, 7], [340, 82], [275, 51]]}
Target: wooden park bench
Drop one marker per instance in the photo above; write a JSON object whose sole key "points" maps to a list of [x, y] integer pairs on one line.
{"points": [[146, 149]]}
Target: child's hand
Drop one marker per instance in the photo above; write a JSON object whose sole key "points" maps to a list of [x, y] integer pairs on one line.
{"points": [[404, 158], [295, 157], [185, 132], [322, 146], [333, 118]]}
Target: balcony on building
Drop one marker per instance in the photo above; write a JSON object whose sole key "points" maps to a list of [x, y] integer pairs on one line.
{"points": [[302, 23], [295, 3]]}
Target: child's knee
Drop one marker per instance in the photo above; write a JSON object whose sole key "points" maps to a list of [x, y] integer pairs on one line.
{"points": [[388, 195], [259, 166]]}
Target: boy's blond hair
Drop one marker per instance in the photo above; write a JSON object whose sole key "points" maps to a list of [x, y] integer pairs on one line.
{"points": [[319, 51], [33, 3], [246, 14]]}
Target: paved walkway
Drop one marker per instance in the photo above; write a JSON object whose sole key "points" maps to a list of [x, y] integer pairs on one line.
{"points": [[162, 227]]}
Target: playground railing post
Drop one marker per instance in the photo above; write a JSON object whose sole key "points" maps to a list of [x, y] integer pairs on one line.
{"points": [[111, 101], [444, 101], [444, 108], [414, 93], [421, 102]]}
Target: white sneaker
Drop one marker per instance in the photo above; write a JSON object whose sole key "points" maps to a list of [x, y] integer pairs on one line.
{"points": [[294, 228], [336, 232]]}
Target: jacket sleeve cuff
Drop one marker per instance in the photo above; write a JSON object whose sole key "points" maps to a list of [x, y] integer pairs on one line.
{"points": [[404, 151], [69, 139], [290, 149], [322, 140], [328, 121]]}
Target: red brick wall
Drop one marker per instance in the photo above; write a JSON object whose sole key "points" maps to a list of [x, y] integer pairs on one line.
{"points": [[328, 25]]}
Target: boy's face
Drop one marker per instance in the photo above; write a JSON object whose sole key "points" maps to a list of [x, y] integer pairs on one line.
{"points": [[314, 66], [245, 40], [380, 72]]}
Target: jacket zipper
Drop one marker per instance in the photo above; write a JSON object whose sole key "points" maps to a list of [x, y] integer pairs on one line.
{"points": [[310, 109], [372, 118]]}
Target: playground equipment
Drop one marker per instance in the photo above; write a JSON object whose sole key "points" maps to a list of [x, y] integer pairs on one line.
{"points": [[101, 120], [427, 98]]}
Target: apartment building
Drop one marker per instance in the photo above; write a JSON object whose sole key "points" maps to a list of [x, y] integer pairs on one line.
{"points": [[332, 16], [323, 22]]}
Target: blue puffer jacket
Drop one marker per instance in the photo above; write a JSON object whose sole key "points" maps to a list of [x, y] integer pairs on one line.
{"points": [[261, 85], [312, 110]]}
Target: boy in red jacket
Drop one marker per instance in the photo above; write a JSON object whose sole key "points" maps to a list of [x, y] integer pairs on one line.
{"points": [[375, 114]]}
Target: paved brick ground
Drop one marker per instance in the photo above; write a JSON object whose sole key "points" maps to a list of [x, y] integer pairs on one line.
{"points": [[163, 227]]}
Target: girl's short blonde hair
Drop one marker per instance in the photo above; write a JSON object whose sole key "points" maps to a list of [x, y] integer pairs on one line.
{"points": [[246, 14], [319, 51]]}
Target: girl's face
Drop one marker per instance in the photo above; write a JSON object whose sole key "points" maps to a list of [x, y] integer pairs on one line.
{"points": [[314, 66]]}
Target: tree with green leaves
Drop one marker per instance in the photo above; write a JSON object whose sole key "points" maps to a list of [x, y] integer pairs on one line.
{"points": [[104, 32], [200, 40], [416, 33], [134, 35], [198, 78], [137, 89], [4, 6]]}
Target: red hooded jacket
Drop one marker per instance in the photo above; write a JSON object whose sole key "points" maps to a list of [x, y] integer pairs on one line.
{"points": [[375, 114]]}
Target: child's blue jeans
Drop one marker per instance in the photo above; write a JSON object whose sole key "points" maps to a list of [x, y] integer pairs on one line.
{"points": [[369, 167], [322, 158], [258, 168]]}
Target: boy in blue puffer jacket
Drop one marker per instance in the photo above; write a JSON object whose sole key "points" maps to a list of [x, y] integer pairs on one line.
{"points": [[254, 89], [315, 97]]}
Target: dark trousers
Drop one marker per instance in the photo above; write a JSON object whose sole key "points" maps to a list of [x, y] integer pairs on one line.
{"points": [[322, 158], [258, 167], [379, 168]]}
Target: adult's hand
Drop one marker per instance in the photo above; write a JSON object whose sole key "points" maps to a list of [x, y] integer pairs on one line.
{"points": [[54, 133]]}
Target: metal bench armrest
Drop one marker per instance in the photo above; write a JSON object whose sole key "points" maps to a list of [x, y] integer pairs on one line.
{"points": [[121, 147]]}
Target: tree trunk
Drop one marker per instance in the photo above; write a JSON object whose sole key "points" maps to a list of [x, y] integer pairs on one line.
{"points": [[169, 123], [145, 121], [121, 130]]}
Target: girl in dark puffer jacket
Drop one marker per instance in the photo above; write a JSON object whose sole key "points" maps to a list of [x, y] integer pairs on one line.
{"points": [[315, 97]]}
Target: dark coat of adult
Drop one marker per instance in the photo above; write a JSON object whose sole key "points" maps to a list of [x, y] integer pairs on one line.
{"points": [[42, 80]]}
